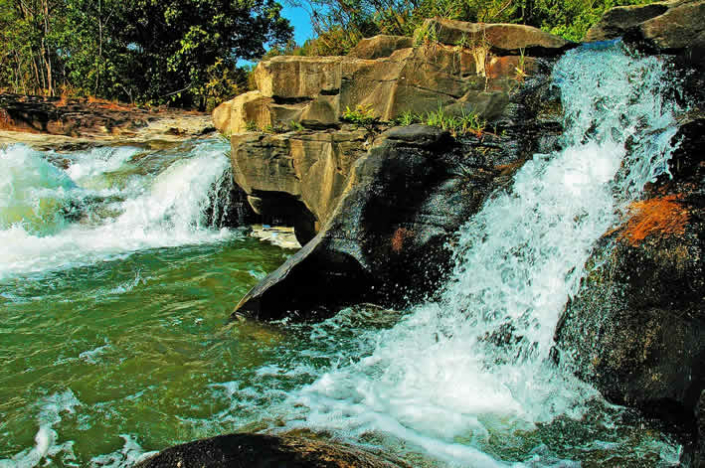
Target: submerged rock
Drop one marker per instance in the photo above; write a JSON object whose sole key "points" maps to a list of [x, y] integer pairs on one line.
{"points": [[259, 450]]}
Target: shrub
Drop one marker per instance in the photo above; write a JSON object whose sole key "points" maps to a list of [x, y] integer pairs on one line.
{"points": [[362, 116], [407, 118], [295, 126], [457, 125]]}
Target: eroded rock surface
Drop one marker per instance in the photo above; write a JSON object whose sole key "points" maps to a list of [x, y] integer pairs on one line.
{"points": [[471, 74], [668, 27], [386, 239], [311, 168], [96, 120], [500, 39]]}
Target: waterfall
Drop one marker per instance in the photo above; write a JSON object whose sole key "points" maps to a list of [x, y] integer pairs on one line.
{"points": [[475, 364], [62, 210]]}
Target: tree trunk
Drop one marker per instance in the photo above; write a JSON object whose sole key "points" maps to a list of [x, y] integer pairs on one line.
{"points": [[100, 47], [46, 50]]}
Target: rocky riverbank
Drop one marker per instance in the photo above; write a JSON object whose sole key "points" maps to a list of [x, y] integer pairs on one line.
{"points": [[55, 123]]}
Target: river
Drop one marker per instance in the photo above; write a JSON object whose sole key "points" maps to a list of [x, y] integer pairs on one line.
{"points": [[117, 275]]}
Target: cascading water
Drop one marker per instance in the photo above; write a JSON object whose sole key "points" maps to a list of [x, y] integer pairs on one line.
{"points": [[475, 364], [105, 204]]}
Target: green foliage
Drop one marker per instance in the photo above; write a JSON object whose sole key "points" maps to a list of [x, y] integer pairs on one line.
{"points": [[464, 124], [269, 128], [471, 123], [296, 126], [407, 118], [181, 52], [464, 41], [426, 34], [520, 70], [361, 116], [251, 126]]}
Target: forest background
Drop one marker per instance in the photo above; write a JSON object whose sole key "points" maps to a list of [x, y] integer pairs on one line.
{"points": [[195, 54]]}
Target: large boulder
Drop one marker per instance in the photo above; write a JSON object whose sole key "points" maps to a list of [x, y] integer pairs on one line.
{"points": [[307, 167], [386, 240], [267, 451], [500, 39], [667, 27], [636, 330], [379, 210]]}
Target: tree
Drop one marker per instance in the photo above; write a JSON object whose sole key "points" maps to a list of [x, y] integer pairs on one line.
{"points": [[151, 51], [173, 46]]}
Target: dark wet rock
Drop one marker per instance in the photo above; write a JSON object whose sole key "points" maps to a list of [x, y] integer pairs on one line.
{"points": [[421, 136], [699, 459], [676, 27], [636, 329], [229, 207], [267, 451], [387, 239]]}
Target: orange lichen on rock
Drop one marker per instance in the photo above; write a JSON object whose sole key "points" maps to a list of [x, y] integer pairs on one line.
{"points": [[398, 238], [662, 215]]}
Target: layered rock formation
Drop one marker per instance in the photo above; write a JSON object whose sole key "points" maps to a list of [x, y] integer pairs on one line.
{"points": [[470, 67], [379, 209], [98, 120]]}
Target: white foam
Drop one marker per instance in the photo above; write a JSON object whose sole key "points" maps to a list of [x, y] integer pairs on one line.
{"points": [[130, 454], [47, 446], [171, 211], [88, 168], [32, 191]]}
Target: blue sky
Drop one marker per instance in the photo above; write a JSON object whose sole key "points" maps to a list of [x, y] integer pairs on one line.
{"points": [[301, 21]]}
